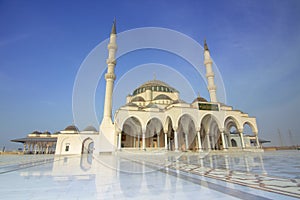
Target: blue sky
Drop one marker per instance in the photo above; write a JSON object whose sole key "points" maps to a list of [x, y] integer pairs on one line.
{"points": [[255, 44]]}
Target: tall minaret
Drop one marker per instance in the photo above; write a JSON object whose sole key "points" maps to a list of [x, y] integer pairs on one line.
{"points": [[209, 74], [110, 75]]}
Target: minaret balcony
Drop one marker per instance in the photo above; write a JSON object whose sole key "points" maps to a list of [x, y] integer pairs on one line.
{"points": [[207, 61], [110, 76], [111, 61], [112, 46], [211, 87], [210, 74]]}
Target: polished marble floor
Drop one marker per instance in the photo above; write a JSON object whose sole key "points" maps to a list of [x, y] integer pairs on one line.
{"points": [[149, 175]]}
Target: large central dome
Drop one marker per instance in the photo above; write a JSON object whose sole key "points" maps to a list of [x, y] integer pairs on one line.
{"points": [[154, 85]]}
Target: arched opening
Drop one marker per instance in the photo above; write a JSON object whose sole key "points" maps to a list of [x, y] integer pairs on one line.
{"points": [[87, 146], [154, 134], [210, 134], [233, 143], [186, 133], [131, 135], [86, 161], [250, 138], [232, 132]]}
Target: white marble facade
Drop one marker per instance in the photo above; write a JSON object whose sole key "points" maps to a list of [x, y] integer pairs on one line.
{"points": [[154, 117]]}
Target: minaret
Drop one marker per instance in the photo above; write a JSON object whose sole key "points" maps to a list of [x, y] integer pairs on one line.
{"points": [[209, 74], [110, 75]]}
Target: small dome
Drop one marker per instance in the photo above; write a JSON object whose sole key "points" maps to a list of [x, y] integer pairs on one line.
{"points": [[201, 99], [90, 128], [47, 133], [162, 97], [36, 132], [138, 99], [71, 128]]}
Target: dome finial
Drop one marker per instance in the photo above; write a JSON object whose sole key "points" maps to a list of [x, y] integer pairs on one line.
{"points": [[113, 29]]}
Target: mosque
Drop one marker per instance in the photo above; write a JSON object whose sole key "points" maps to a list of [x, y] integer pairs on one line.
{"points": [[155, 118]]}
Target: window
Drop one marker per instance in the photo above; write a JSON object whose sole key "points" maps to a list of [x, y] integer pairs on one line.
{"points": [[67, 147]]}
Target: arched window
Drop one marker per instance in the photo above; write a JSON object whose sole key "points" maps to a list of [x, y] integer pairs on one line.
{"points": [[233, 143]]}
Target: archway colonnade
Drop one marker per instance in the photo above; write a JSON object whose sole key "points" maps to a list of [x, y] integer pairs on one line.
{"points": [[39, 147], [183, 133]]}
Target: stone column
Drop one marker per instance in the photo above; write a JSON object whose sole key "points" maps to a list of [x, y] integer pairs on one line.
{"points": [[223, 140], [144, 140], [229, 140], [257, 141], [134, 142], [138, 140], [186, 141], [158, 145], [242, 138], [208, 141], [199, 141], [166, 141], [176, 140], [34, 147], [119, 140]]}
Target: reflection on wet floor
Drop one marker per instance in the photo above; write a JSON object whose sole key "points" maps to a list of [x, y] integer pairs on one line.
{"points": [[146, 175]]}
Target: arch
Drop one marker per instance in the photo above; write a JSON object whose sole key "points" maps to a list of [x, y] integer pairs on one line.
{"points": [[233, 143], [87, 146], [186, 133], [136, 118], [212, 117], [154, 133], [233, 119], [230, 122], [131, 132], [210, 133], [232, 128], [251, 136], [188, 114], [168, 119], [253, 128]]}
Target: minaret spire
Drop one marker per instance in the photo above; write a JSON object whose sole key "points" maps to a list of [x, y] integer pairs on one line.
{"points": [[205, 45], [113, 29], [110, 76], [209, 74]]}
